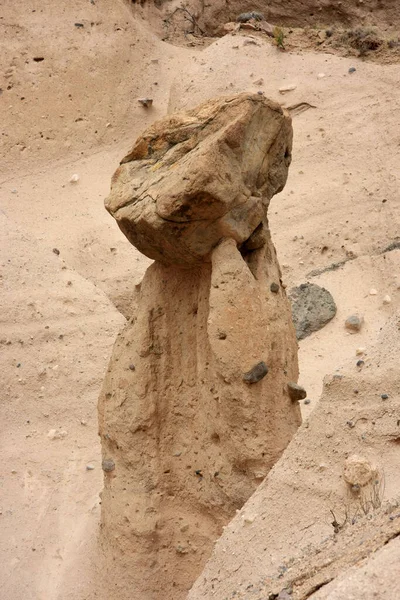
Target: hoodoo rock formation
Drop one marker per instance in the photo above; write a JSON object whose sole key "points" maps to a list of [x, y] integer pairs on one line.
{"points": [[195, 408]]}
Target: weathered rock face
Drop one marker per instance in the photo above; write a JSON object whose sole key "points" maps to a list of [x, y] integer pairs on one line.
{"points": [[187, 422]]}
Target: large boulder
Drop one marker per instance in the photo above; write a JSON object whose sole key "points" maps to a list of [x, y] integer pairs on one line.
{"points": [[196, 177]]}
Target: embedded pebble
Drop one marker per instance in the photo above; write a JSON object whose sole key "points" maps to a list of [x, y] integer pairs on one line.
{"points": [[74, 178], [296, 392], [384, 396], [373, 292], [352, 70], [360, 351], [256, 373], [56, 434], [108, 465], [89, 468], [274, 287], [387, 299], [321, 75], [146, 102], [307, 401]]}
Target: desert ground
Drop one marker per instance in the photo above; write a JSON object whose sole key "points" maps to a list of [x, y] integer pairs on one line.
{"points": [[71, 77]]}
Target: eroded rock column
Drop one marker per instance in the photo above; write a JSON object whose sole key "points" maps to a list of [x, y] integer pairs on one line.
{"points": [[195, 407]]}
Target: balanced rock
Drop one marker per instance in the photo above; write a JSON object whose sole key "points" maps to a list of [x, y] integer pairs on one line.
{"points": [[188, 437]]}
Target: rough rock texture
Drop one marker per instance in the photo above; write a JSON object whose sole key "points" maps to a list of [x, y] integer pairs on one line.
{"points": [[341, 469], [312, 308], [194, 178], [190, 437], [209, 15]]}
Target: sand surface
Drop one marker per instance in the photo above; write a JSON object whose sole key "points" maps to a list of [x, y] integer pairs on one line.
{"points": [[76, 112]]}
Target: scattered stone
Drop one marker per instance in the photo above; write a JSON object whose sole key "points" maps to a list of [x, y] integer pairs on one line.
{"points": [[307, 401], [259, 81], [312, 308], [372, 292], [360, 363], [354, 322], [248, 41], [89, 468], [181, 549], [360, 351], [79, 25], [56, 251], [56, 434], [384, 396], [221, 335], [257, 373], [132, 367], [321, 76], [108, 465], [74, 178], [83, 422], [287, 88], [146, 102], [274, 287], [352, 70], [387, 299], [244, 17], [358, 470], [296, 392]]}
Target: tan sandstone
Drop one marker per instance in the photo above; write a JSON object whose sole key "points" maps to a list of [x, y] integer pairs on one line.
{"points": [[195, 408]]}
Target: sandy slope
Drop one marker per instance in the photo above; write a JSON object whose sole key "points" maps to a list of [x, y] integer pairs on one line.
{"points": [[345, 163]]}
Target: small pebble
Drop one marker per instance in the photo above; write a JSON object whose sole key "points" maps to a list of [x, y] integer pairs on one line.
{"points": [[132, 367], [352, 70], [384, 396], [274, 287], [108, 465], [287, 88], [354, 322], [321, 75], [89, 468], [387, 299], [74, 178], [221, 335], [146, 102], [360, 363], [307, 401], [360, 351], [373, 292], [56, 251]]}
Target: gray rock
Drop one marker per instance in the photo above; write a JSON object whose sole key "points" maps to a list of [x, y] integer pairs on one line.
{"points": [[354, 322], [244, 17], [256, 373], [274, 287], [108, 465], [296, 392], [312, 308]]}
